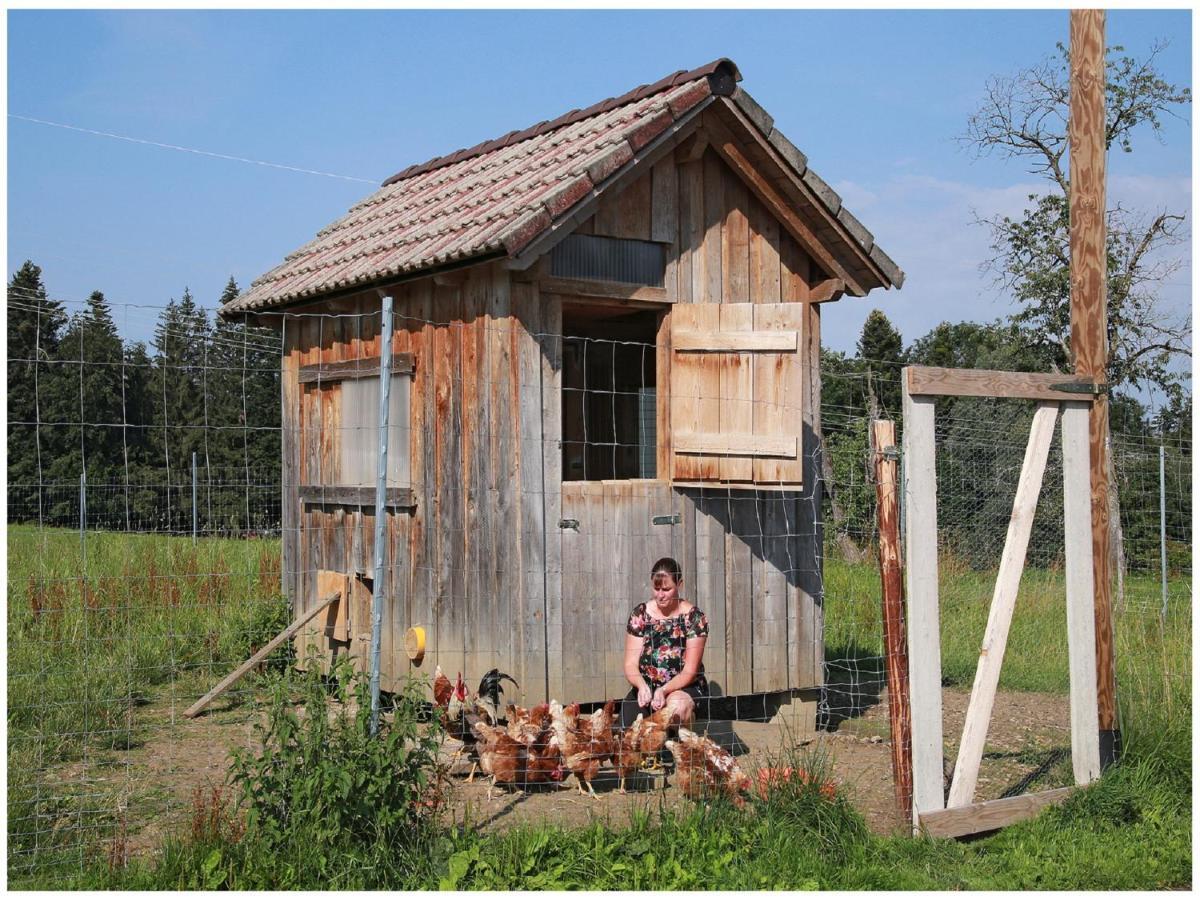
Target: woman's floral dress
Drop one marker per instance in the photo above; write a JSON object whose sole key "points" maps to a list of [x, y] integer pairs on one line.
{"points": [[663, 643]]}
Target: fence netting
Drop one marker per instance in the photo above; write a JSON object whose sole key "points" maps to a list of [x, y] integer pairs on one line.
{"points": [[145, 548]]}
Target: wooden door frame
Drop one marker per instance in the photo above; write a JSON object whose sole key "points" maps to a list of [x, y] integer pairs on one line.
{"points": [[921, 386]]}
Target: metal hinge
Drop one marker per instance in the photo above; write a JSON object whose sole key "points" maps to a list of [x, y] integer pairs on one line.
{"points": [[1081, 387], [892, 453], [665, 520], [569, 523]]}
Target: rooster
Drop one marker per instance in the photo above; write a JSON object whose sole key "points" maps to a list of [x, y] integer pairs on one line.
{"points": [[459, 713], [640, 740], [487, 698], [704, 769], [587, 742]]}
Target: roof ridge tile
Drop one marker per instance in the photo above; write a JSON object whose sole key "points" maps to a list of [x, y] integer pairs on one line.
{"points": [[723, 69]]}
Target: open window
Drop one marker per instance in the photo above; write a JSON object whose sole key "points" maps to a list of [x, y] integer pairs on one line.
{"points": [[736, 394], [609, 392], [341, 446]]}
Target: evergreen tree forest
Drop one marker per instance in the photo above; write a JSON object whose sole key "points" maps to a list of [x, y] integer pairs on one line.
{"points": [[130, 417], [127, 419]]}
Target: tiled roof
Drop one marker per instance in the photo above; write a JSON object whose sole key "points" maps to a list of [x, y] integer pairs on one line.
{"points": [[490, 200]]}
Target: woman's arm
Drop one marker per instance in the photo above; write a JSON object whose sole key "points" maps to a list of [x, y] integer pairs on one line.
{"points": [[693, 654], [633, 674]]}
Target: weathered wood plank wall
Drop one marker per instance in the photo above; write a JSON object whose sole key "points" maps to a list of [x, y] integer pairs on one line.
{"points": [[480, 561], [752, 562]]}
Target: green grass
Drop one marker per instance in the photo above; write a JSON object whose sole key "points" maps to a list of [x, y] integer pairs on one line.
{"points": [[1130, 830], [94, 634]]}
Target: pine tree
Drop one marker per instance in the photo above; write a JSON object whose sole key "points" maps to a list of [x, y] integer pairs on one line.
{"points": [[34, 325], [85, 411], [244, 403], [881, 351], [181, 340]]}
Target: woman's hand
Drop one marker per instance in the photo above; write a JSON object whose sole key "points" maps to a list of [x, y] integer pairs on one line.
{"points": [[659, 700], [644, 695]]}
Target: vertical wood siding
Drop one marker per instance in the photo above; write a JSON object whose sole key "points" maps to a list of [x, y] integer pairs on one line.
{"points": [[480, 562]]}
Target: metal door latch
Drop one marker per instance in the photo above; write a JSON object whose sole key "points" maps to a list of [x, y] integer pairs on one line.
{"points": [[665, 520], [569, 523]]}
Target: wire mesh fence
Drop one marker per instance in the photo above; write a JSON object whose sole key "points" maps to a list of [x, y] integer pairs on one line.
{"points": [[149, 550]]}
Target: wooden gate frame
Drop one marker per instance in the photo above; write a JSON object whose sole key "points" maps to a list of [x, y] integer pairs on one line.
{"points": [[953, 815]]}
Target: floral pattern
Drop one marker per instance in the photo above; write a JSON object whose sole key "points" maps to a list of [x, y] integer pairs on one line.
{"points": [[664, 643]]}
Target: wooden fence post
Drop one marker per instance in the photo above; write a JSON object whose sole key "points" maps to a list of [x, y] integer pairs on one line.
{"points": [[895, 649], [1089, 327]]}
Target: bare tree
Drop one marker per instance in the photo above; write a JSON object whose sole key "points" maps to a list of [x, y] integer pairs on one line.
{"points": [[1025, 117]]}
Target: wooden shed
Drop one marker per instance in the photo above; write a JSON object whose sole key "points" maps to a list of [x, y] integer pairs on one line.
{"points": [[606, 350]]}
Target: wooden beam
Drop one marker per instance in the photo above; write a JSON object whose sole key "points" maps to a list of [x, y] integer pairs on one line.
{"points": [[735, 341], [887, 490], [692, 149], [727, 147], [1004, 600], [613, 290], [1089, 322], [921, 575], [1081, 624], [367, 367], [827, 291], [237, 674], [939, 382], [342, 495], [989, 815], [726, 444]]}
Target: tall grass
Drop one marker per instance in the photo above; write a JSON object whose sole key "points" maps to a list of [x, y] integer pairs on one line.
{"points": [[96, 632]]}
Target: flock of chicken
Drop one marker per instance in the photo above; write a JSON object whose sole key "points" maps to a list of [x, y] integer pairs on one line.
{"points": [[546, 743]]}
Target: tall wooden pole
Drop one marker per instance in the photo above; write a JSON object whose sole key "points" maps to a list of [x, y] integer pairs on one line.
{"points": [[887, 492], [1089, 325]]}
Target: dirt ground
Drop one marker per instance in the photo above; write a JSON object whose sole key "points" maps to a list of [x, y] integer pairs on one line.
{"points": [[155, 782]]}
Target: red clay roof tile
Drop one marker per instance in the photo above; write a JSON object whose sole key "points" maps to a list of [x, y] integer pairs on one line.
{"points": [[497, 196]]}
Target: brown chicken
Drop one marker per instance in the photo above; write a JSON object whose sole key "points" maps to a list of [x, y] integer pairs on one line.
{"points": [[586, 742], [517, 762], [703, 769], [526, 724], [443, 688], [641, 739]]}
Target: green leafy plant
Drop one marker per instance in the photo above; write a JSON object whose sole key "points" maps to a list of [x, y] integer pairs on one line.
{"points": [[322, 782]]}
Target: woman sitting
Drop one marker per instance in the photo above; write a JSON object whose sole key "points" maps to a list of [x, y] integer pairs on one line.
{"points": [[664, 650]]}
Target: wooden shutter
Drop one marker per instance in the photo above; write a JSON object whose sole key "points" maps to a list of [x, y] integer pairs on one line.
{"points": [[736, 392]]}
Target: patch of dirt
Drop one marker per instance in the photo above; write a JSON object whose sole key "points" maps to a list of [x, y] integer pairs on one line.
{"points": [[155, 782], [1028, 741]]}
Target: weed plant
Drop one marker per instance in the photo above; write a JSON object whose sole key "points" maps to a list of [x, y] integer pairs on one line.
{"points": [[98, 631]]}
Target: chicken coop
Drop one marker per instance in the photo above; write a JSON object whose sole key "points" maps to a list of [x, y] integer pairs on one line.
{"points": [[606, 349]]}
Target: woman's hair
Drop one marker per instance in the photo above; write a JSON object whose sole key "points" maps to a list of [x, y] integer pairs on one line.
{"points": [[667, 566]]}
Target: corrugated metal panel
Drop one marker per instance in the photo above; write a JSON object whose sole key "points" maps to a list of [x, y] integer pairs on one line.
{"points": [[609, 259]]}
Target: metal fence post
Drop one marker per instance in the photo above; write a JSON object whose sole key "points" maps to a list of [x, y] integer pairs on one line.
{"points": [[1162, 522], [385, 383], [194, 515], [82, 514]]}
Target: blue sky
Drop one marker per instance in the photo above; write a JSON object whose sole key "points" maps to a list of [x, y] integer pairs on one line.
{"points": [[875, 98]]}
